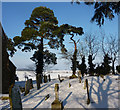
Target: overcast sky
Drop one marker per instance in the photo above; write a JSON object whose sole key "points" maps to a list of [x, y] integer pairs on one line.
{"points": [[14, 14]]}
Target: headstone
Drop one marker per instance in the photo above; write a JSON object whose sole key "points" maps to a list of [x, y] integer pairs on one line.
{"points": [[31, 84], [15, 98], [27, 87], [38, 81], [88, 98], [60, 78], [45, 79], [69, 85], [49, 78], [85, 84], [79, 76], [57, 104]]}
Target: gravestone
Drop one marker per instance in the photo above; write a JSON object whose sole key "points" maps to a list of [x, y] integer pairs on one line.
{"points": [[27, 87], [49, 78], [31, 84], [45, 79], [69, 85], [57, 104], [38, 76], [60, 78], [79, 76], [88, 98], [15, 98], [85, 84]]}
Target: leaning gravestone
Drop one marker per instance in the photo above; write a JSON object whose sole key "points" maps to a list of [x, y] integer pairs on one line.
{"points": [[49, 78], [31, 84], [38, 76], [27, 87], [57, 104], [79, 76], [15, 98]]}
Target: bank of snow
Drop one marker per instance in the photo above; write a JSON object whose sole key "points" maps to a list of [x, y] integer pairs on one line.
{"points": [[103, 94]]}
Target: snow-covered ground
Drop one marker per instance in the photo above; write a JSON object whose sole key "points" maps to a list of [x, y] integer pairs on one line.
{"points": [[103, 94]]}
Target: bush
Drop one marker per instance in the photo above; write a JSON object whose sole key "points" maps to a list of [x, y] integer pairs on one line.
{"points": [[73, 76], [118, 68]]}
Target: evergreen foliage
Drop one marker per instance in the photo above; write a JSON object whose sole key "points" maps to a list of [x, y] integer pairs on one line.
{"points": [[82, 67]]}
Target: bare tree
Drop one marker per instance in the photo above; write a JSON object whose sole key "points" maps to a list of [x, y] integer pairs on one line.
{"points": [[113, 50]]}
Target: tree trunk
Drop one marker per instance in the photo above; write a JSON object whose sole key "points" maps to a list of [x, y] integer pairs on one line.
{"points": [[39, 66]]}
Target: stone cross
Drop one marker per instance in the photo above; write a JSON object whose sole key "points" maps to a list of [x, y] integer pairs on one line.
{"points": [[79, 76], [15, 98], [56, 92], [27, 87]]}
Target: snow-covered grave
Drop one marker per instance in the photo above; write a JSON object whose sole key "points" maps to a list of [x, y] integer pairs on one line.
{"points": [[103, 94]]}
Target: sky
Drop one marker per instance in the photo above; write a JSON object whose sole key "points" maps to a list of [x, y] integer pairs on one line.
{"points": [[14, 14]]}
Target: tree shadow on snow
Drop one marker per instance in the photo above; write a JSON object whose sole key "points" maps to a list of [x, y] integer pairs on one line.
{"points": [[65, 100], [102, 94], [34, 93]]}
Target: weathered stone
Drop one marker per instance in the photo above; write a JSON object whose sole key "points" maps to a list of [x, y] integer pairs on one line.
{"points": [[15, 98], [49, 78], [45, 79], [85, 84], [31, 84], [57, 104], [27, 87], [38, 81], [79, 76], [69, 85]]}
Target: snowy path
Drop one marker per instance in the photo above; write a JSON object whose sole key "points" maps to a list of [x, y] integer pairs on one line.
{"points": [[103, 94]]}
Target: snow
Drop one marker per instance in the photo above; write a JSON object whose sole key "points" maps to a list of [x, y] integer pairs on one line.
{"points": [[103, 94]]}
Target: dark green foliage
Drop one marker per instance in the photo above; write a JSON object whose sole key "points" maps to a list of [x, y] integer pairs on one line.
{"points": [[82, 67], [74, 62], [118, 68], [106, 64], [91, 65], [103, 10], [41, 25]]}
